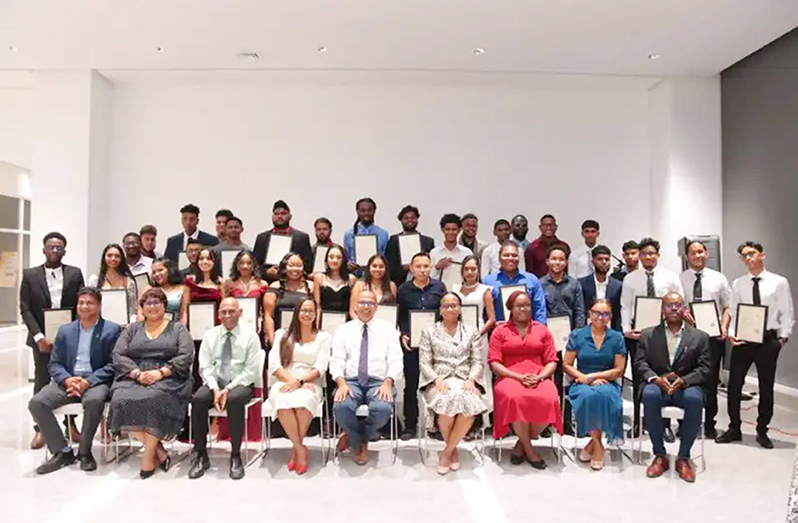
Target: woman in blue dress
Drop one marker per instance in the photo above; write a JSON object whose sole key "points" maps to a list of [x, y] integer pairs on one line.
{"points": [[595, 358]]}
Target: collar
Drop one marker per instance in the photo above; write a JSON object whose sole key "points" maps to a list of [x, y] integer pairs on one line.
{"points": [[546, 241], [90, 328], [328, 243], [761, 275], [668, 331], [360, 323], [193, 236], [606, 280], [235, 331], [58, 270], [286, 230]]}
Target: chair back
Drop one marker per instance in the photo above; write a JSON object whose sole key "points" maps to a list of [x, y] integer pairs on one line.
{"points": [[261, 365]]}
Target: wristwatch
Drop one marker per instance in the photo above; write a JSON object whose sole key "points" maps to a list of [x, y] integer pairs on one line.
{"points": [[301, 382]]}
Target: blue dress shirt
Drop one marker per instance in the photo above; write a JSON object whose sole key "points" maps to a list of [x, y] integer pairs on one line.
{"points": [[83, 358], [533, 288], [349, 239]]}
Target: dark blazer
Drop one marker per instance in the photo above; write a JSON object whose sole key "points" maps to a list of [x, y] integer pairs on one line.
{"points": [[34, 297], [65, 352], [692, 360], [300, 244], [398, 273], [174, 245], [613, 294]]}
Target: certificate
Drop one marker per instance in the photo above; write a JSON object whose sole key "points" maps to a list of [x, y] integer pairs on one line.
{"points": [[319, 259], [182, 261], [55, 319], [286, 315], [279, 246], [142, 282], [409, 246], [706, 317], [114, 307], [331, 320], [648, 312], [201, 318], [169, 316], [504, 293], [387, 313], [365, 248], [470, 315], [420, 320], [560, 327], [452, 275], [249, 312], [751, 323], [228, 258]]}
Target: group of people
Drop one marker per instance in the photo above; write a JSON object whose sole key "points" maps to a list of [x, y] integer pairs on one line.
{"points": [[506, 362]]}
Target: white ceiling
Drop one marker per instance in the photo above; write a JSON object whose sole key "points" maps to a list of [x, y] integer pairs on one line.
{"points": [[693, 37]]}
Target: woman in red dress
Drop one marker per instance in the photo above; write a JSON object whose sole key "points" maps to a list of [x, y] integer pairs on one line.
{"points": [[523, 356]]}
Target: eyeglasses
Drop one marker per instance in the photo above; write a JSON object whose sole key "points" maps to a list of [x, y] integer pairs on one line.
{"points": [[673, 306], [522, 307], [54, 248], [647, 254], [152, 303], [602, 315], [367, 304], [307, 311], [450, 307], [747, 255]]}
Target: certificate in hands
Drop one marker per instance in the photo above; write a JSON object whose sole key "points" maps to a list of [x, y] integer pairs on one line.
{"points": [[201, 318], [470, 315], [409, 246], [452, 275], [286, 315], [331, 320], [182, 261], [319, 259], [114, 306], [504, 293], [249, 312], [169, 316], [560, 327], [54, 319], [420, 320], [705, 314], [279, 246], [387, 313], [648, 312], [365, 248], [228, 258], [142, 282], [751, 323]]}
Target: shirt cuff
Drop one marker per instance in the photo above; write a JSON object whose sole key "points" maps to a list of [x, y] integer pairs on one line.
{"points": [[651, 379], [37, 337]]}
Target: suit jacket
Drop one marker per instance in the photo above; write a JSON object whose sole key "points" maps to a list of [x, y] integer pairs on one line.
{"points": [[613, 294], [300, 244], [65, 352], [398, 273], [691, 362], [174, 245], [34, 297]]}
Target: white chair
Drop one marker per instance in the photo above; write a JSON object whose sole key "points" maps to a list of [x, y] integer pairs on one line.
{"points": [[362, 412], [478, 450], [76, 409], [674, 414]]}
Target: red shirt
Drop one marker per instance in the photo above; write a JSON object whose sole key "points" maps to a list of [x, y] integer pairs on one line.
{"points": [[535, 254]]}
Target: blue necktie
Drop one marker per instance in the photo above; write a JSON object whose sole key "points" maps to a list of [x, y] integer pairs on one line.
{"points": [[363, 362]]}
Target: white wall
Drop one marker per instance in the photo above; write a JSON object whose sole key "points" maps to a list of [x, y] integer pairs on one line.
{"points": [[16, 126]]}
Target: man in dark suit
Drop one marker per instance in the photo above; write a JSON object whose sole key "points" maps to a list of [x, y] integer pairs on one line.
{"points": [[300, 241], [631, 260], [82, 371], [673, 363], [408, 216], [52, 285], [600, 285], [189, 217]]}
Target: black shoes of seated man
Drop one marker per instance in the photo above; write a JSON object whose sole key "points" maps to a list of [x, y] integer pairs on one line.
{"points": [[764, 441], [57, 461], [203, 463], [87, 462], [236, 467], [408, 433], [729, 436]]}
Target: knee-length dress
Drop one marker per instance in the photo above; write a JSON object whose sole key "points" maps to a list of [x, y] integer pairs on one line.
{"points": [[512, 401], [597, 406], [158, 409], [477, 297], [307, 356]]}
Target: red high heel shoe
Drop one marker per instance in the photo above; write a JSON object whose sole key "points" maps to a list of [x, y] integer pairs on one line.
{"points": [[301, 469], [291, 465]]}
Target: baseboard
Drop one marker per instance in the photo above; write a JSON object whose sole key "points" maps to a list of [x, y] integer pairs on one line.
{"points": [[783, 395]]}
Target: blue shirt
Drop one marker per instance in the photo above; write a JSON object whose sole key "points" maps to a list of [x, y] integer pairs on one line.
{"points": [[83, 359], [349, 239], [411, 297], [533, 288], [565, 299]]}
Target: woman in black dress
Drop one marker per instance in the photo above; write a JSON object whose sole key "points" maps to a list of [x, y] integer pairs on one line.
{"points": [[333, 287]]}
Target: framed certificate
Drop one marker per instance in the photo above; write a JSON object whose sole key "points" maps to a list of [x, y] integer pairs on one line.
{"points": [[751, 323], [331, 320], [228, 257], [470, 315], [420, 320], [169, 316], [201, 319], [504, 293], [319, 258], [182, 261], [286, 315], [142, 282], [387, 313], [560, 327], [365, 248], [409, 246], [648, 312], [452, 275], [706, 317], [249, 312], [114, 307], [279, 246], [54, 319]]}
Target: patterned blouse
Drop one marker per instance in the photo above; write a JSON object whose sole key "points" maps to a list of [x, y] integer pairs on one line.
{"points": [[443, 355]]}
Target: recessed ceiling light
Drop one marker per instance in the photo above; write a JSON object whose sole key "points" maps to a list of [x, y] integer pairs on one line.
{"points": [[12, 48], [248, 55], [478, 51], [160, 49], [322, 49], [654, 56]]}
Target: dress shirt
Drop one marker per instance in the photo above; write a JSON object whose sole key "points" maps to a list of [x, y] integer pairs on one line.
{"points": [[458, 254], [55, 285], [535, 291], [775, 293], [142, 266], [385, 359], [349, 238], [478, 247], [83, 359], [490, 260], [224, 246], [535, 254], [409, 296], [673, 340], [601, 288], [580, 262], [565, 298], [245, 364], [634, 285], [522, 244], [714, 287], [192, 236]]}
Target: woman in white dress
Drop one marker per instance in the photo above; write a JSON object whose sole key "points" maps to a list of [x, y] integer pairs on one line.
{"points": [[297, 361]]}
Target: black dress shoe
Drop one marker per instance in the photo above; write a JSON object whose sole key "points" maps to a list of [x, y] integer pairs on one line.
{"points": [[87, 462], [546, 433], [236, 467], [57, 461], [375, 438], [166, 464], [729, 436], [539, 464], [200, 465], [668, 435], [144, 474], [516, 459], [710, 433], [764, 441], [408, 433]]}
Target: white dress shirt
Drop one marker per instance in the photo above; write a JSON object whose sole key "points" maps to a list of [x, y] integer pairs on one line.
{"points": [[143, 266], [714, 287], [580, 262], [186, 237], [601, 288], [385, 357], [490, 259], [55, 285], [634, 284], [245, 364], [774, 291], [458, 254]]}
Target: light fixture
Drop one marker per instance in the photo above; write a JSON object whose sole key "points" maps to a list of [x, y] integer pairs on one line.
{"points": [[248, 55], [654, 56], [322, 49], [12, 48], [478, 51], [160, 50]]}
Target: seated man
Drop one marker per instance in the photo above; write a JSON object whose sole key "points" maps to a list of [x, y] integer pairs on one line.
{"points": [[673, 361], [229, 361], [366, 362], [82, 371]]}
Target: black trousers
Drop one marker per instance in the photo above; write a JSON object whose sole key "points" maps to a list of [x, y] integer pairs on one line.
{"points": [[201, 403], [558, 381], [631, 347], [411, 389], [41, 376], [717, 348], [764, 356]]}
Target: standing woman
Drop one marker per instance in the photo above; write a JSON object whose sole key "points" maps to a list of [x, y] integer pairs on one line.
{"points": [[115, 274], [167, 277], [204, 288], [245, 278], [377, 281], [291, 287], [333, 288]]}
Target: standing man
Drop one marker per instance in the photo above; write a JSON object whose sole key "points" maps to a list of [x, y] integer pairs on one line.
{"points": [[366, 208], [520, 226], [758, 287], [535, 254], [222, 215], [564, 295], [138, 263], [509, 274], [490, 255], [450, 252], [580, 262], [703, 284], [148, 235], [408, 216], [233, 228], [52, 285], [631, 260], [600, 286], [322, 227], [469, 236], [300, 241], [189, 218]]}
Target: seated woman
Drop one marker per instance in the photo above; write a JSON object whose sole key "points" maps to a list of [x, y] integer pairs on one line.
{"points": [[297, 362], [451, 372], [245, 278], [595, 397], [150, 394], [166, 276], [333, 288], [115, 274], [291, 287], [523, 356]]}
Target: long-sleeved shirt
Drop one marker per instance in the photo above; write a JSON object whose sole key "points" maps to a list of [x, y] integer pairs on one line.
{"points": [[55, 284], [385, 358], [580, 262], [409, 296], [349, 238], [245, 363], [774, 291], [565, 298], [83, 357], [535, 254], [635, 284], [500, 279], [714, 287], [477, 248], [490, 263], [438, 253]]}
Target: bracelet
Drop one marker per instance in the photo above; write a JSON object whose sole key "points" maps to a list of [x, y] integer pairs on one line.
{"points": [[136, 374]]}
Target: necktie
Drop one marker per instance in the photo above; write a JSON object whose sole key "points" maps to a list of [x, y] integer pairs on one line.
{"points": [[650, 292], [363, 361], [672, 348], [590, 268], [698, 293], [757, 296], [225, 367]]}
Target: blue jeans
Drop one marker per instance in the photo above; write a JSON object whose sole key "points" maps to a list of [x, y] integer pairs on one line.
{"points": [[690, 399], [361, 430]]}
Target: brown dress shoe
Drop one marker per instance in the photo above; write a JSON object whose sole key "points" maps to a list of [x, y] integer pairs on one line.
{"points": [[343, 443], [685, 470], [658, 467], [38, 441], [362, 455]]}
